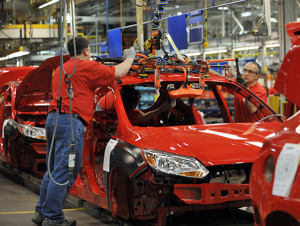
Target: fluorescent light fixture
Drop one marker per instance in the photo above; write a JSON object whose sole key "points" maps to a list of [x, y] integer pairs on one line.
{"points": [[246, 14], [273, 20], [272, 45], [13, 55], [217, 51], [246, 48], [223, 8], [48, 3], [192, 54]]}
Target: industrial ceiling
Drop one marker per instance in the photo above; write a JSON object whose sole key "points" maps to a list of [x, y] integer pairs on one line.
{"points": [[91, 19]]}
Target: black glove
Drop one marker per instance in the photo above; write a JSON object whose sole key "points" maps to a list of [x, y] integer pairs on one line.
{"points": [[242, 82]]}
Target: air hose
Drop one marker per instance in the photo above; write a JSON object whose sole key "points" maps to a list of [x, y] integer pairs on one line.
{"points": [[137, 5], [156, 21], [70, 95]]}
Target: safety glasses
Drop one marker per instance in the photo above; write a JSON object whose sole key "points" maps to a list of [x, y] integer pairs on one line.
{"points": [[249, 71]]}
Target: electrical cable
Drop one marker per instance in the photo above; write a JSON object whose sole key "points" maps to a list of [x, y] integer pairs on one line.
{"points": [[59, 98]]}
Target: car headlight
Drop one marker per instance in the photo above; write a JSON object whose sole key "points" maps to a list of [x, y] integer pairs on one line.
{"points": [[269, 168], [175, 164], [33, 132]]}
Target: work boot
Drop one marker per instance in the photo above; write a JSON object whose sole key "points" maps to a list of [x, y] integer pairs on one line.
{"points": [[65, 223], [38, 218]]}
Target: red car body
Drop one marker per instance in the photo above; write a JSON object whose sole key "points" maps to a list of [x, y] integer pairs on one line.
{"points": [[135, 188], [23, 114], [176, 162], [271, 209], [10, 79]]}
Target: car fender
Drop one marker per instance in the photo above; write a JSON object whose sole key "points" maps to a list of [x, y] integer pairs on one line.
{"points": [[127, 157]]}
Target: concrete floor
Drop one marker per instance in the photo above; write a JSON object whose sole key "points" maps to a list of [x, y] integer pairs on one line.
{"points": [[17, 207]]}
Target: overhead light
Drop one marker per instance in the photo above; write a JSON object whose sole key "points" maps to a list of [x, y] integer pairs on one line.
{"points": [[246, 48], [273, 20], [217, 51], [48, 3], [223, 8], [246, 14], [193, 54], [15, 54], [272, 45]]}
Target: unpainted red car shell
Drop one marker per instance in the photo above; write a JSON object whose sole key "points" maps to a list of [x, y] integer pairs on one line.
{"points": [[261, 192], [10, 78], [270, 209], [226, 144], [29, 92]]}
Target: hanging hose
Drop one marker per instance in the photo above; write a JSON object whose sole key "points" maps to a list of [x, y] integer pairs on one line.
{"points": [[70, 94], [157, 14], [137, 5]]}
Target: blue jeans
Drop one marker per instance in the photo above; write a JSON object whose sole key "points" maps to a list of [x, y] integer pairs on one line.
{"points": [[52, 196]]}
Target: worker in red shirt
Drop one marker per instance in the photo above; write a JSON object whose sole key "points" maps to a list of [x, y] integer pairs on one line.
{"points": [[245, 111], [88, 76], [131, 98]]}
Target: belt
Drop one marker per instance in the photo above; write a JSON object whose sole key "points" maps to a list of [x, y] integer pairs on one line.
{"points": [[73, 114]]}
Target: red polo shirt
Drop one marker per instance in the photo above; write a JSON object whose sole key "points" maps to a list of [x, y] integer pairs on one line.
{"points": [[88, 76], [241, 112], [107, 103]]}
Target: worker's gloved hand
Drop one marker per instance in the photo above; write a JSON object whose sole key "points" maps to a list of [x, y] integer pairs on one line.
{"points": [[242, 82], [129, 53]]}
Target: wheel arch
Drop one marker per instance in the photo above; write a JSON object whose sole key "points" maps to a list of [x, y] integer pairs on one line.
{"points": [[128, 158]]}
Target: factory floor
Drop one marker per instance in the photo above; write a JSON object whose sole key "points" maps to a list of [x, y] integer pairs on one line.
{"points": [[18, 198], [17, 207]]}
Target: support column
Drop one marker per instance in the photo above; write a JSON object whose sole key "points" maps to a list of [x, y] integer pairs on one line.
{"points": [[140, 28], [287, 10], [97, 38], [73, 19], [223, 22]]}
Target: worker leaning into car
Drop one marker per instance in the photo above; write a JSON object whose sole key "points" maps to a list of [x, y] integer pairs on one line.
{"points": [[245, 111], [131, 98], [88, 76]]}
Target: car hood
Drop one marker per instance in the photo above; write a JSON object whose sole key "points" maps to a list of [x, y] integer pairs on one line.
{"points": [[211, 144], [38, 80], [14, 73]]}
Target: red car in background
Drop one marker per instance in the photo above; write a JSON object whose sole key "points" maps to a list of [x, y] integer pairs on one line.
{"points": [[10, 79], [26, 95], [275, 175]]}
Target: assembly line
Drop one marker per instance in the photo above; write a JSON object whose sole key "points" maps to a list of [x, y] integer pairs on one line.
{"points": [[151, 135]]}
